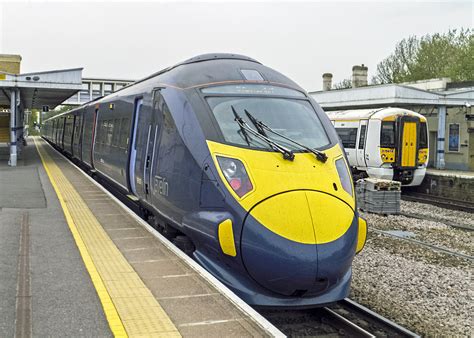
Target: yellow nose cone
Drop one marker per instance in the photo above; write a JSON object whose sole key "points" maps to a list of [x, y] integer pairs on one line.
{"points": [[305, 216]]}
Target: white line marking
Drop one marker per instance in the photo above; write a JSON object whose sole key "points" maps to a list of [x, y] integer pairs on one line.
{"points": [[208, 322], [190, 296]]}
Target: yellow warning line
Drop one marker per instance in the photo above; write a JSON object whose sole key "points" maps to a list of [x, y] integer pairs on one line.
{"points": [[128, 304]]}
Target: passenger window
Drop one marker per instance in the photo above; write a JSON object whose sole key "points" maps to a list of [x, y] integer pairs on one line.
{"points": [[348, 137], [387, 135], [362, 136], [124, 133], [116, 133]]}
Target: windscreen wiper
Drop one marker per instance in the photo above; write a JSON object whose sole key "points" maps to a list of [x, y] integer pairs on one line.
{"points": [[287, 153], [320, 156]]}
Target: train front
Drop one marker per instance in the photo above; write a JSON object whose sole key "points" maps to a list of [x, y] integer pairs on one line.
{"points": [[291, 229]]}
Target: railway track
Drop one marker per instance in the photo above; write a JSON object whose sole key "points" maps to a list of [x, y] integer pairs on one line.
{"points": [[438, 201], [435, 219], [427, 245], [345, 318]]}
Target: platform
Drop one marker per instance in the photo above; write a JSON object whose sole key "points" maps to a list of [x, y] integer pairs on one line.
{"points": [[75, 261], [451, 173]]}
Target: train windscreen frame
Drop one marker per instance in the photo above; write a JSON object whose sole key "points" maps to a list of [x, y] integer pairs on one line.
{"points": [[285, 110]]}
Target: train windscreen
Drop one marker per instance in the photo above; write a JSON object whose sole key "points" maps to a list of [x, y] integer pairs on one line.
{"points": [[293, 118]]}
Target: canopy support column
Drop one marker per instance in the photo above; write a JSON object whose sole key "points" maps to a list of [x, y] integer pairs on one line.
{"points": [[440, 163]]}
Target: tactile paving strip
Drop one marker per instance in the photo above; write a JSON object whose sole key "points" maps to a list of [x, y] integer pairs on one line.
{"points": [[128, 304]]}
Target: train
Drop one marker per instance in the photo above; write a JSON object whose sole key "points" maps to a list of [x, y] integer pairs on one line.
{"points": [[387, 143], [237, 165]]}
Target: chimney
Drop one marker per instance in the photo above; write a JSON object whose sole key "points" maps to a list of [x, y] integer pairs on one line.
{"points": [[327, 81], [359, 76]]}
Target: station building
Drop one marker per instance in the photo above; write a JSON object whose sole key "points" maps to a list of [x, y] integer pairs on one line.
{"points": [[447, 106], [93, 88]]}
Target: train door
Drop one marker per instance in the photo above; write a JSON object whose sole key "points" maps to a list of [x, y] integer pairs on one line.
{"points": [[408, 142], [152, 150], [133, 146], [360, 152]]}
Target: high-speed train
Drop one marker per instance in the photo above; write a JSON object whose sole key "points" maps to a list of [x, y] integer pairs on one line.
{"points": [[237, 165], [387, 143]]}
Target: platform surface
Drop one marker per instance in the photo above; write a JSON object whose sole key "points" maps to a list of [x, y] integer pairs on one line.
{"points": [[74, 262], [451, 173]]}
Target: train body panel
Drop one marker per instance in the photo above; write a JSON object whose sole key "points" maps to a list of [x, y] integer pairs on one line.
{"points": [[278, 232], [388, 143]]}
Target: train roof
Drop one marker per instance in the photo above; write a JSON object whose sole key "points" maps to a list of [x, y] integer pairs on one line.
{"points": [[374, 113]]}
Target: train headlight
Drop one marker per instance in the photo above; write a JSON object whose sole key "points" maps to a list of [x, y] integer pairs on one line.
{"points": [[235, 174], [344, 175]]}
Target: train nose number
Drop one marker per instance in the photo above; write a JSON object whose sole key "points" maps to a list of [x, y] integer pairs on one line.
{"points": [[161, 185]]}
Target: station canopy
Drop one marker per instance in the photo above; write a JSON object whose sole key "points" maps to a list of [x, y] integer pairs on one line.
{"points": [[40, 89]]}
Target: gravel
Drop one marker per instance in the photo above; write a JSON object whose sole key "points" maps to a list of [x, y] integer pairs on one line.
{"points": [[428, 292], [422, 209], [435, 233]]}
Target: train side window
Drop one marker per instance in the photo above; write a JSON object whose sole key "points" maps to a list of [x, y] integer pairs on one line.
{"points": [[423, 135], [124, 132], [348, 137], [110, 131], [116, 133], [387, 134], [362, 136]]}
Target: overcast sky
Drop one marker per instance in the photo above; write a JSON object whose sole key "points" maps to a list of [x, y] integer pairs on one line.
{"points": [[300, 39]]}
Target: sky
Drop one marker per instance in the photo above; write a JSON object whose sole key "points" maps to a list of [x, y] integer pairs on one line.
{"points": [[303, 40]]}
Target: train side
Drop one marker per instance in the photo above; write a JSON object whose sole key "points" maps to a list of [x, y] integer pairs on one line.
{"points": [[387, 143]]}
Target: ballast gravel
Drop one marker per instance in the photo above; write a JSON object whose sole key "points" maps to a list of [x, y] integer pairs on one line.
{"points": [[442, 214], [427, 291]]}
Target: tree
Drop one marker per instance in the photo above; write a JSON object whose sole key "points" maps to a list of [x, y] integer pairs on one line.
{"points": [[346, 83], [431, 56]]}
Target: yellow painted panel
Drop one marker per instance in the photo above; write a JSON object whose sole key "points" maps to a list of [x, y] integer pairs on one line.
{"points": [[423, 155], [409, 144], [361, 235], [387, 155], [226, 238], [271, 174], [331, 217], [288, 216]]}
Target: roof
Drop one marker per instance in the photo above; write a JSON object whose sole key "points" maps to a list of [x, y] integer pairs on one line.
{"points": [[38, 89], [390, 95], [362, 114]]}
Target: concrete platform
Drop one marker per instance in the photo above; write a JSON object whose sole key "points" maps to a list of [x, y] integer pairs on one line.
{"points": [[82, 264], [451, 173]]}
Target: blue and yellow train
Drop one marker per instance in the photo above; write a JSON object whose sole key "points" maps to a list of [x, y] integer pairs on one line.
{"points": [[237, 165]]}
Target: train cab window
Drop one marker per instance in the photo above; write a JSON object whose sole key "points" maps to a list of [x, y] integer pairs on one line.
{"points": [[363, 129], [291, 117], [423, 135], [387, 134], [348, 137]]}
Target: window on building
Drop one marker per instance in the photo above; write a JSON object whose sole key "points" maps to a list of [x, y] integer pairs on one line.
{"points": [[363, 129], [387, 134], [107, 88], [119, 86], [453, 137], [84, 94], [348, 137], [96, 90]]}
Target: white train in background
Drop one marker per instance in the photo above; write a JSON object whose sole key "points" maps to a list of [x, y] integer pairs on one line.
{"points": [[388, 143]]}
